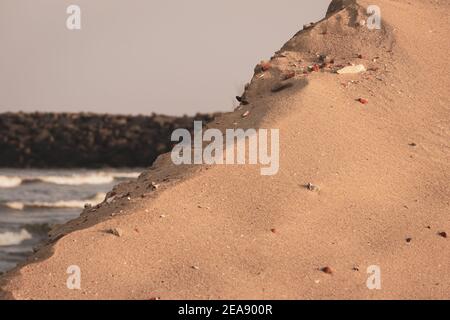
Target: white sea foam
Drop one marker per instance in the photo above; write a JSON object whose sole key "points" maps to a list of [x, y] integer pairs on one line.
{"points": [[126, 175], [15, 205], [66, 204], [14, 238], [9, 182], [96, 178], [76, 180]]}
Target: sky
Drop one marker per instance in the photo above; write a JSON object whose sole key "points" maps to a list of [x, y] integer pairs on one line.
{"points": [[140, 56]]}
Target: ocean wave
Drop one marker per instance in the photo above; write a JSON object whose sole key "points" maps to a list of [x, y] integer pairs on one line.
{"points": [[97, 178], [76, 180], [10, 182], [64, 204], [10, 238]]}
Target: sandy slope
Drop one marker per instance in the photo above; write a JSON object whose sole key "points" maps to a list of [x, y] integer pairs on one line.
{"points": [[376, 188]]}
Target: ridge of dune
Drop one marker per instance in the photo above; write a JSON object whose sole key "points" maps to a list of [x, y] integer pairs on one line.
{"points": [[226, 232]]}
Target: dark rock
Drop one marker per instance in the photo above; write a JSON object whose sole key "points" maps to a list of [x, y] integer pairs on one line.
{"points": [[327, 270], [66, 140], [338, 5]]}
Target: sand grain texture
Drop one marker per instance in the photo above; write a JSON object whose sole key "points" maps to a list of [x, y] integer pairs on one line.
{"points": [[226, 232]]}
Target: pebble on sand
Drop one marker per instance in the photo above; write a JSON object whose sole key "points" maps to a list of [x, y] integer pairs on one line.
{"points": [[242, 100], [314, 68], [308, 26], [325, 59], [116, 231], [363, 100], [246, 114], [110, 199], [154, 185], [312, 187], [263, 66], [352, 69], [443, 234], [327, 270], [361, 23]]}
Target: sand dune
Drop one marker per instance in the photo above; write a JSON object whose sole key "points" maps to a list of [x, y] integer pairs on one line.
{"points": [[225, 232]]}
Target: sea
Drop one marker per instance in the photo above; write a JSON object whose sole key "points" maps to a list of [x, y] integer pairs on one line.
{"points": [[32, 201]]}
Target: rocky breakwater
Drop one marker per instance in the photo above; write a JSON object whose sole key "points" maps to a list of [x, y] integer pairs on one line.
{"points": [[85, 140]]}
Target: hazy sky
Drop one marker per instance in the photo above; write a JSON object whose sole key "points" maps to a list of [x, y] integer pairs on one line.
{"points": [[140, 56]]}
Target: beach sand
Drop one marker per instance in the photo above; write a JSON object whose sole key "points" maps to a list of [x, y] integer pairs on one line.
{"points": [[226, 232]]}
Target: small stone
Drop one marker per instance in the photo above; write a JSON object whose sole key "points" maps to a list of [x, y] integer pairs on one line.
{"points": [[88, 206], [265, 65], [363, 100], [116, 231], [413, 144], [154, 186], [273, 230], [443, 234], [408, 240], [246, 114], [242, 100], [195, 267], [327, 270], [314, 68], [110, 199], [154, 298], [308, 26], [325, 59], [352, 69], [312, 187]]}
